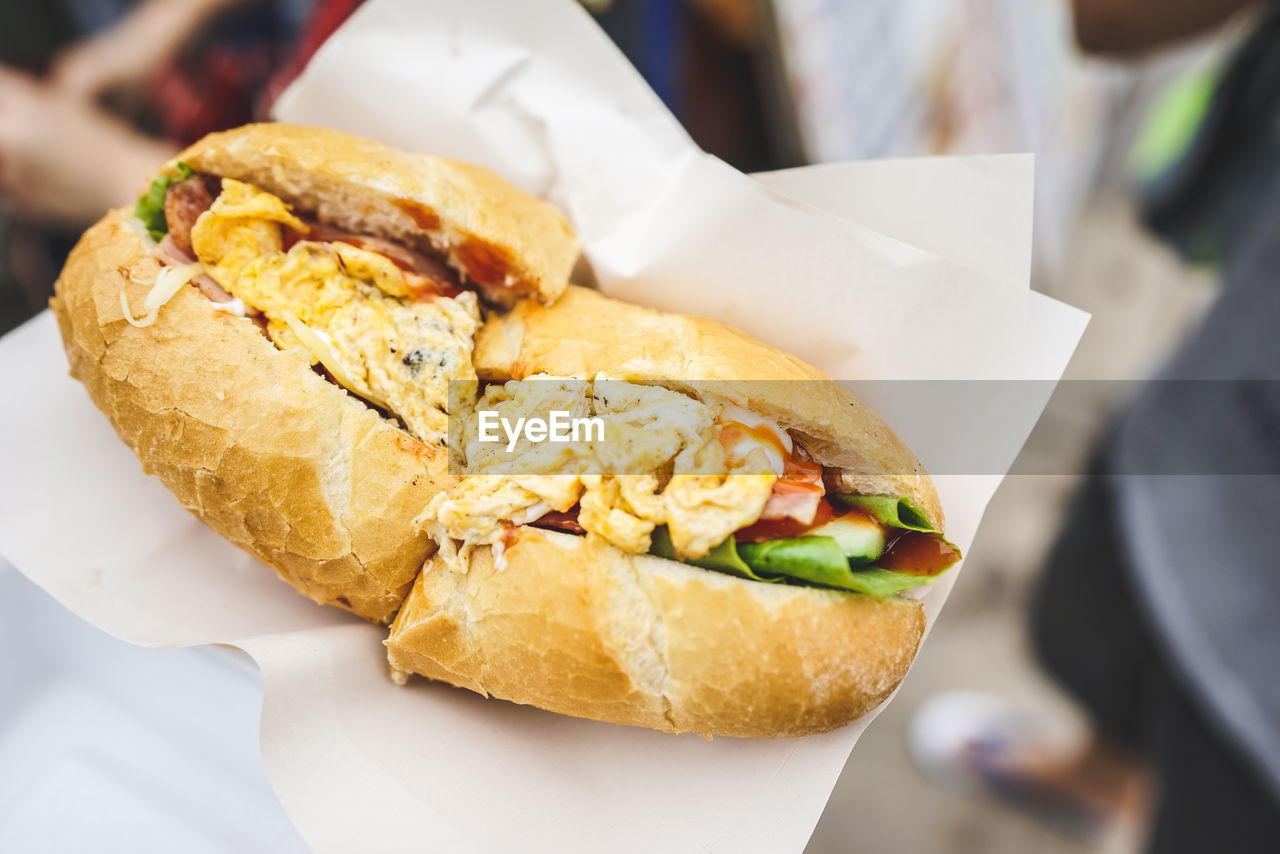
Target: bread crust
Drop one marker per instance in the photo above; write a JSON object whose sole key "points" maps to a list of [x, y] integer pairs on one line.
{"points": [[585, 333], [249, 438], [575, 626], [508, 242]]}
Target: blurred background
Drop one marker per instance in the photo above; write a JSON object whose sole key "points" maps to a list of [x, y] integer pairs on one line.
{"points": [[95, 93]]}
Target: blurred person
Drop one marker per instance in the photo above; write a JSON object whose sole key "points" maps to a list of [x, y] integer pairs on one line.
{"points": [[65, 161], [83, 125], [30, 33], [119, 88], [1158, 606], [124, 98], [183, 68]]}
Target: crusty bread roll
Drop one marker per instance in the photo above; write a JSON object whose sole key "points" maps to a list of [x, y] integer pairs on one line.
{"points": [[508, 242], [574, 625], [252, 440]]}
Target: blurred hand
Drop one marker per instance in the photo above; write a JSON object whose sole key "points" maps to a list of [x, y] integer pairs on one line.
{"points": [[125, 54], [65, 160]]}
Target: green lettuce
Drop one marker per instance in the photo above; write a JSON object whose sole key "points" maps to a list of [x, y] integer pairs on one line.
{"points": [[814, 561], [150, 206], [723, 558], [818, 560], [894, 512], [882, 583], [821, 562]]}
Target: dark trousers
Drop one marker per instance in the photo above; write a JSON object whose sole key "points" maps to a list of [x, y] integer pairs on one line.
{"points": [[1091, 633]]}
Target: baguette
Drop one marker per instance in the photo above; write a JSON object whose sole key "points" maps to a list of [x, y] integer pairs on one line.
{"points": [[575, 626], [506, 242]]}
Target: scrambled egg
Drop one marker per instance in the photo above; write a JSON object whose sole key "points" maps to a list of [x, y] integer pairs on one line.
{"points": [[349, 307], [660, 462]]}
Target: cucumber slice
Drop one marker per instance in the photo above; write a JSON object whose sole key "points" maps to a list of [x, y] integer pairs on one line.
{"points": [[860, 536]]}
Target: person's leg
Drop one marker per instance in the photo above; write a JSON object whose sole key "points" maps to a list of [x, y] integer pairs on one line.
{"points": [[1087, 634], [1209, 797], [1092, 635], [1086, 628]]}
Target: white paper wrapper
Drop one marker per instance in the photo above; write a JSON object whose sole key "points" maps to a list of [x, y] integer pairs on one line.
{"points": [[914, 269]]}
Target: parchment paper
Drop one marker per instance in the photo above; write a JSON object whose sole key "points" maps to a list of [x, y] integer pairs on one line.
{"points": [[536, 92]]}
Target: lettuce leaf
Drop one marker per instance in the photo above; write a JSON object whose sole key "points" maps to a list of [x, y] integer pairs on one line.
{"points": [[150, 206], [815, 561], [722, 558], [894, 512], [883, 583], [818, 560], [821, 562], [808, 561]]}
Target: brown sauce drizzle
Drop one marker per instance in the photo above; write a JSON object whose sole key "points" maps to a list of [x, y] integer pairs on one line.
{"points": [[485, 265], [556, 521], [918, 553], [422, 216], [909, 552]]}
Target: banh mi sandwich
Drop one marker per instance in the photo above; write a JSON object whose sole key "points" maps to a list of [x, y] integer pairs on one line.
{"points": [[292, 323], [735, 553], [273, 329]]}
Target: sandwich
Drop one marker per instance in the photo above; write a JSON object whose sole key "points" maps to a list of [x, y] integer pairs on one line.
{"points": [[273, 327], [308, 336], [735, 553]]}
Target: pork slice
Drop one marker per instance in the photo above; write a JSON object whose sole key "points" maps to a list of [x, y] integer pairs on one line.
{"points": [[183, 204]]}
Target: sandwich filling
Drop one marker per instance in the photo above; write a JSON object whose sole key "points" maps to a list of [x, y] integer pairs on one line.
{"points": [[390, 325], [695, 479]]}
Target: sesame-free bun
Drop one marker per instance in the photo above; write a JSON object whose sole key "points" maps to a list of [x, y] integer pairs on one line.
{"points": [[249, 438], [323, 488], [573, 625], [507, 242]]}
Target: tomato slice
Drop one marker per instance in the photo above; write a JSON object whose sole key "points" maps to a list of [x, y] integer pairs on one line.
{"points": [[779, 529]]}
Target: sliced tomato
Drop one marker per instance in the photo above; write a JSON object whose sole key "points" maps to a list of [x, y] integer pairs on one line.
{"points": [[785, 528]]}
